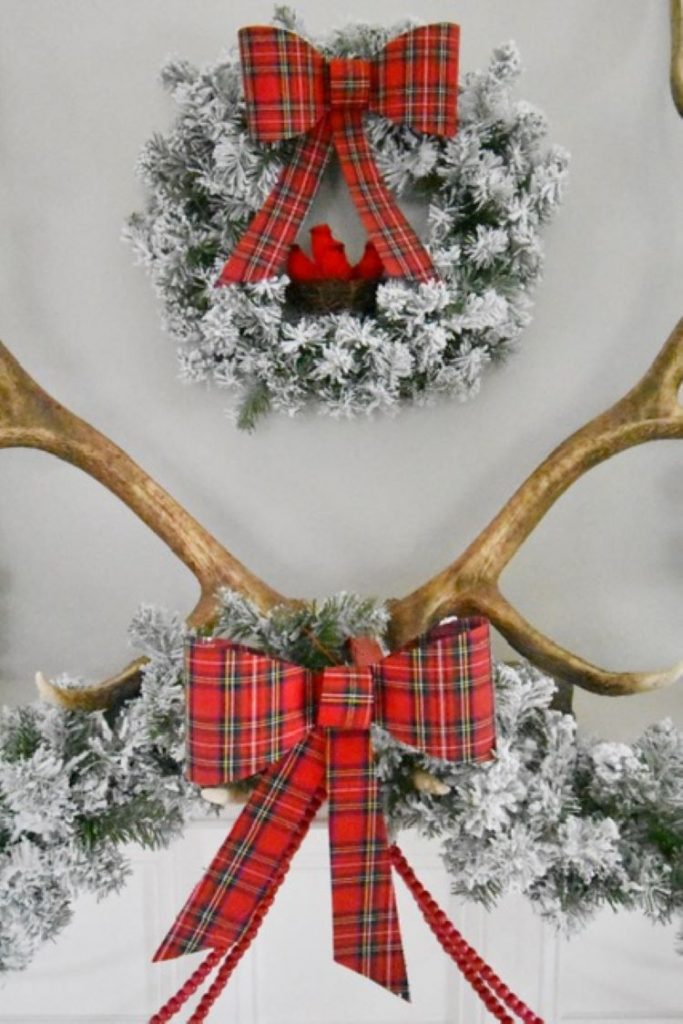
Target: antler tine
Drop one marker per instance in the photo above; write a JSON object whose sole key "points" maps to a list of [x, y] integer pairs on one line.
{"points": [[656, 395], [30, 418], [98, 697], [561, 663], [677, 54], [650, 411]]}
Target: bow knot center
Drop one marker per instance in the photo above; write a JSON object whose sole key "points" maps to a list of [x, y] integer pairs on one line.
{"points": [[350, 80], [346, 698]]}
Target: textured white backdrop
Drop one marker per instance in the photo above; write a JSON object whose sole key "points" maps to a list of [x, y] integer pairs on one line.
{"points": [[315, 505]]}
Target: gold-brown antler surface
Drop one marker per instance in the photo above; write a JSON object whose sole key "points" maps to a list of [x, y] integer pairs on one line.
{"points": [[677, 54], [30, 418], [649, 412]]}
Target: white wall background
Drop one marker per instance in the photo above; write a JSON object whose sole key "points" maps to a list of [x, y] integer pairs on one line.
{"points": [[369, 506]]}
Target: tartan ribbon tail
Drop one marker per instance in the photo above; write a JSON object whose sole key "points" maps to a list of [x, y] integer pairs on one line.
{"points": [[401, 251], [249, 865], [263, 248], [367, 938]]}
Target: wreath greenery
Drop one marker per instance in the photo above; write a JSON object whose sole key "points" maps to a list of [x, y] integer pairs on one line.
{"points": [[488, 191], [573, 822]]}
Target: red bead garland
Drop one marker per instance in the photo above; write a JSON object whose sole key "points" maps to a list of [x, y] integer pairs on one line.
{"points": [[233, 956], [494, 994], [177, 1001], [478, 973]]}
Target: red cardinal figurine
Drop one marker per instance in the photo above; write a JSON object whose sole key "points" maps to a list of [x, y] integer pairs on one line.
{"points": [[300, 267], [321, 238], [329, 260], [370, 266], [329, 254]]}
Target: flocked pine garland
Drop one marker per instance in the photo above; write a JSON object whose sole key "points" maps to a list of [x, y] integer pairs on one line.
{"points": [[488, 192], [574, 823]]}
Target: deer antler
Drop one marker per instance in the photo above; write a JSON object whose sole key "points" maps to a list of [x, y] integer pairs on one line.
{"points": [[649, 412], [677, 54], [30, 418]]}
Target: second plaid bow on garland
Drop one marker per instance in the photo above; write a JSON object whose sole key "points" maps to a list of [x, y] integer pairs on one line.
{"points": [[292, 90], [309, 735]]}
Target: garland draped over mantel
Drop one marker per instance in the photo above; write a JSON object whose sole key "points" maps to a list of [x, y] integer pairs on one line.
{"points": [[573, 822]]}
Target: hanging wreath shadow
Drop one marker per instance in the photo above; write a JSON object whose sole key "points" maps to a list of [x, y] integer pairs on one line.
{"points": [[489, 191]]}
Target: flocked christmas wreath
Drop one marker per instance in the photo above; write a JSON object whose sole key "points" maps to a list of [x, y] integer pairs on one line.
{"points": [[574, 823], [487, 190]]}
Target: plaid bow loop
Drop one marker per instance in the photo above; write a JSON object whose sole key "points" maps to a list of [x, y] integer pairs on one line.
{"points": [[291, 90], [417, 79], [284, 83], [309, 734]]}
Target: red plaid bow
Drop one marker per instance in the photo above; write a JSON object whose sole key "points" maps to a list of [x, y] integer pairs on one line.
{"points": [[292, 90], [309, 734]]}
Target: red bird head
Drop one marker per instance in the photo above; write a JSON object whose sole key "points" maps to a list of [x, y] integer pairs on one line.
{"points": [[330, 261]]}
